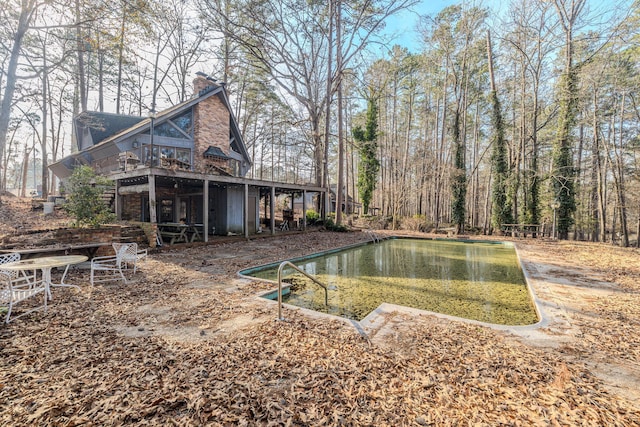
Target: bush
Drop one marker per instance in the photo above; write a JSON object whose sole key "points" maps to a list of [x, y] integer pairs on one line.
{"points": [[332, 226], [312, 217], [84, 198]]}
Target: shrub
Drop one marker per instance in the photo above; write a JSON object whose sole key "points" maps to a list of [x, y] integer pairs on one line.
{"points": [[84, 198], [332, 226], [312, 217]]}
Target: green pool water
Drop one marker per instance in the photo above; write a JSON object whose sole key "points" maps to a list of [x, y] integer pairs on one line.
{"points": [[480, 281]]}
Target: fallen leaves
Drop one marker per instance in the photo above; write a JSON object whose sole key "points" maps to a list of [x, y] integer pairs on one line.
{"points": [[208, 352]]}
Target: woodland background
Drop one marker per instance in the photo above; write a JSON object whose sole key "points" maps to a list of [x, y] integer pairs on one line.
{"points": [[494, 117]]}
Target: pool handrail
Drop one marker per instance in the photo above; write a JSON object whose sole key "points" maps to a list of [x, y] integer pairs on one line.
{"points": [[375, 238], [298, 269]]}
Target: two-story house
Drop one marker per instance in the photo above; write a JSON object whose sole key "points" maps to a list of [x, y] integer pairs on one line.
{"points": [[187, 162]]}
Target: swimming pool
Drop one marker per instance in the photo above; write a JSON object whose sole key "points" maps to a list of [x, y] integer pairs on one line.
{"points": [[474, 280]]}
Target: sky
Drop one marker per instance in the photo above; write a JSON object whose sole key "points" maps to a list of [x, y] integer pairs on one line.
{"points": [[402, 26]]}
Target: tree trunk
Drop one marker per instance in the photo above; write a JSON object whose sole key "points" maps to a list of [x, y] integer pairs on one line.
{"points": [[322, 155], [563, 170], [340, 182], [596, 171], [43, 141], [28, 7], [121, 60], [25, 171], [81, 85], [619, 178]]}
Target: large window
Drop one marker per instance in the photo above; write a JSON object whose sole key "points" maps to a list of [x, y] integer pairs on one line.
{"points": [[169, 156], [145, 158], [177, 127], [183, 155], [167, 129], [184, 122]]}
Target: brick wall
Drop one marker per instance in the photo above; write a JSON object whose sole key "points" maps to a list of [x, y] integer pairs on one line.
{"points": [[78, 236], [131, 207], [211, 119]]}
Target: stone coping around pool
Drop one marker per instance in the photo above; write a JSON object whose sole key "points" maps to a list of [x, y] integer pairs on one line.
{"points": [[375, 320], [245, 273]]}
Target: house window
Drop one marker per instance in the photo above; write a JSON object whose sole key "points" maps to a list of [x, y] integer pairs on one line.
{"points": [[172, 157], [183, 155], [166, 210], [167, 129], [184, 122], [146, 149], [168, 152], [234, 165]]}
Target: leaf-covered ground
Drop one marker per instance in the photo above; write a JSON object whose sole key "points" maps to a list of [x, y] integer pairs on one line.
{"points": [[186, 342]]}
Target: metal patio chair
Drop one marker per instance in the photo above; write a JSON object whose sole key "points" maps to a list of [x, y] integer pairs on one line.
{"points": [[110, 267], [16, 277], [13, 292], [130, 254]]}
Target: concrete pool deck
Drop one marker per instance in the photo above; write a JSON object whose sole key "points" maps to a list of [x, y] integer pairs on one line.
{"points": [[560, 292], [564, 294]]}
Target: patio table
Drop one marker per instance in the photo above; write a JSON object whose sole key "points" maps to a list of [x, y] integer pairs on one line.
{"points": [[45, 264]]}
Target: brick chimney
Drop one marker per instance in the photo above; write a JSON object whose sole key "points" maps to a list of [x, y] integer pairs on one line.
{"points": [[202, 82], [211, 120]]}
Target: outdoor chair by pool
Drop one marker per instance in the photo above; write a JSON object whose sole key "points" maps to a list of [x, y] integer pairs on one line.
{"points": [[16, 277], [13, 291], [130, 254], [110, 268]]}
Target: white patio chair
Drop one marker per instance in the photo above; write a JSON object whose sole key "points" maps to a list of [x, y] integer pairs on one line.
{"points": [[16, 277], [130, 254], [12, 292], [110, 265]]}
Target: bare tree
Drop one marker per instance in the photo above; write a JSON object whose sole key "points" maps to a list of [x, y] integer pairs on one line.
{"points": [[26, 12]]}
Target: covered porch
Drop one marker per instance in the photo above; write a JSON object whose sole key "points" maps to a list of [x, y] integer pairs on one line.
{"points": [[208, 204]]}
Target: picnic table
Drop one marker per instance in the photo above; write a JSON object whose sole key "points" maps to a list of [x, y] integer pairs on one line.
{"points": [[177, 232], [521, 229]]}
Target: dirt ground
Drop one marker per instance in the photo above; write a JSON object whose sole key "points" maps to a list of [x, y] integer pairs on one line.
{"points": [[187, 342]]}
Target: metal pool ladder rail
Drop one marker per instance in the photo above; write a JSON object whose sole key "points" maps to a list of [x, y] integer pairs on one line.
{"points": [[373, 236], [299, 270]]}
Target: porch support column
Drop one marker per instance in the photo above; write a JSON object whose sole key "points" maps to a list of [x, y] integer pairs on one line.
{"points": [[153, 215], [246, 211], [205, 210], [304, 210], [118, 201], [327, 203], [266, 214], [272, 210]]}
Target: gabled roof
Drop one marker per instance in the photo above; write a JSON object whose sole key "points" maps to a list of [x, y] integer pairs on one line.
{"points": [[111, 130], [103, 125]]}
